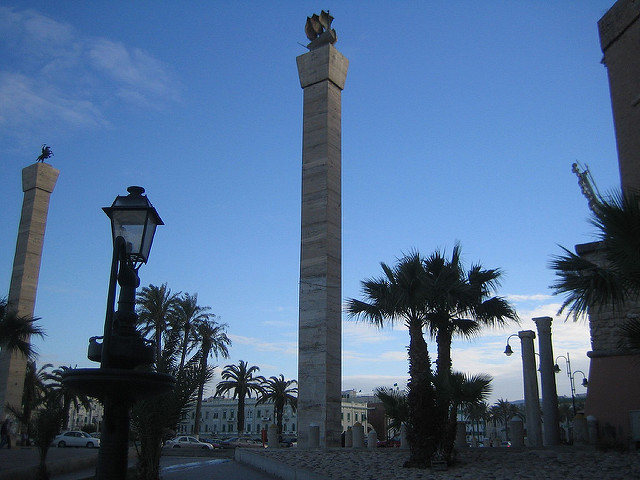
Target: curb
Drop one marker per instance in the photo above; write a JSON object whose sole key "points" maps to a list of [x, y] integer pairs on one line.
{"points": [[271, 467]]}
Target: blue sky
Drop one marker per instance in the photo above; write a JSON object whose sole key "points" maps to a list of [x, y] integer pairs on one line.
{"points": [[460, 123]]}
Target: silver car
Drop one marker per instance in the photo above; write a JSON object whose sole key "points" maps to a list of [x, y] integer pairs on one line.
{"points": [[76, 438], [187, 442]]}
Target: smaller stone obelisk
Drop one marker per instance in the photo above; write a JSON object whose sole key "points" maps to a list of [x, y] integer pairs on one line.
{"points": [[322, 73], [38, 181]]}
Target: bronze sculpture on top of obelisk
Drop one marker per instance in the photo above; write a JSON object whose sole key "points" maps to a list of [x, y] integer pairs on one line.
{"points": [[322, 73], [38, 181]]}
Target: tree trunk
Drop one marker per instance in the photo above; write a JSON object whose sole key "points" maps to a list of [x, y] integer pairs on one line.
{"points": [[198, 414], [422, 433], [240, 414], [446, 418]]}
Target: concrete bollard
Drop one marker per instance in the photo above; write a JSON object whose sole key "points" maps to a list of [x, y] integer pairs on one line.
{"points": [[592, 429], [403, 437], [580, 432], [314, 436], [372, 439], [358, 435], [461, 435], [272, 436], [517, 432], [348, 438]]}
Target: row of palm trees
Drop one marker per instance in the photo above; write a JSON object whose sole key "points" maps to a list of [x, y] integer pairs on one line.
{"points": [[438, 297], [240, 381]]}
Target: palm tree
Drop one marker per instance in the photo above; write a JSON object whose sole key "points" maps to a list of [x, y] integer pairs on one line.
{"points": [[459, 303], [281, 392], [68, 397], [33, 395], [467, 391], [477, 413], [16, 331], [396, 407], [188, 315], [616, 278], [400, 295], [503, 411], [156, 307], [213, 341], [155, 419], [44, 427], [239, 379]]}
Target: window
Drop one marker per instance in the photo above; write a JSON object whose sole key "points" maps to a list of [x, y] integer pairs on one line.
{"points": [[224, 414], [293, 427], [259, 414], [284, 427], [215, 414], [224, 427], [355, 416], [348, 417], [248, 427], [206, 415]]}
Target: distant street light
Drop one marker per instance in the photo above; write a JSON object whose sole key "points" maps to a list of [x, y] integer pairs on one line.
{"points": [[571, 376]]}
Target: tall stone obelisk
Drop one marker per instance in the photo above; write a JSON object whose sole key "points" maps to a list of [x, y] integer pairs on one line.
{"points": [[38, 181], [322, 73]]}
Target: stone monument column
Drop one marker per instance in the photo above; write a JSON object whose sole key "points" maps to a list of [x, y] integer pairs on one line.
{"points": [[531, 396], [38, 181], [550, 413], [322, 73]]}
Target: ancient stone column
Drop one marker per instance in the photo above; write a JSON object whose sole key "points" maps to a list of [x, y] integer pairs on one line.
{"points": [[531, 396], [550, 413], [38, 181], [322, 73]]}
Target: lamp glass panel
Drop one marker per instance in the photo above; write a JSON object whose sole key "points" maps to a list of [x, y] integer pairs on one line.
{"points": [[130, 224], [148, 238]]}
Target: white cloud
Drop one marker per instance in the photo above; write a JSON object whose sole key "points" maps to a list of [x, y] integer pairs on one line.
{"points": [[52, 77], [259, 344], [526, 298]]}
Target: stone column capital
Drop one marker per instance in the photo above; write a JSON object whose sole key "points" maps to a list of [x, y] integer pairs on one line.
{"points": [[320, 64], [527, 334], [39, 175], [543, 323]]}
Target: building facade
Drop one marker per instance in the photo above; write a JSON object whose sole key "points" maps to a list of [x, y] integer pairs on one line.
{"points": [[219, 417]]}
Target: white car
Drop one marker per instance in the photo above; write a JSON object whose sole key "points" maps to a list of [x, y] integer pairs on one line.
{"points": [[187, 442], [76, 438]]}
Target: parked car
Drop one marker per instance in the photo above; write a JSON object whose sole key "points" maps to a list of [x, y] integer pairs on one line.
{"points": [[390, 443], [213, 441], [187, 442], [288, 442], [76, 438], [240, 442]]}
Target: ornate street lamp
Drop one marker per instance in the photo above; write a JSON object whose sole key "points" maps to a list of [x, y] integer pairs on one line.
{"points": [[571, 375], [123, 348]]}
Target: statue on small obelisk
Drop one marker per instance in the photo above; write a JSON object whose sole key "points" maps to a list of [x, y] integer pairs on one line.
{"points": [[38, 181]]}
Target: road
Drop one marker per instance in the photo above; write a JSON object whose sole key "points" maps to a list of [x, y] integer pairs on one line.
{"points": [[186, 468]]}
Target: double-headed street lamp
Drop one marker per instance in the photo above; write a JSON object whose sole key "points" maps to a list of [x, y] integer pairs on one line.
{"points": [[571, 375], [123, 348]]}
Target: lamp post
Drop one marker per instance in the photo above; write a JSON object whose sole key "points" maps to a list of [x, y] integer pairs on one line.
{"points": [[116, 383], [571, 376]]}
